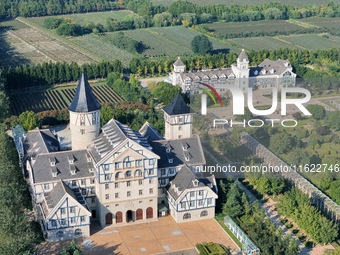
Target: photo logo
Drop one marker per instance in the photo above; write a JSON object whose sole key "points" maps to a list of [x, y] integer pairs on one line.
{"points": [[238, 102]]}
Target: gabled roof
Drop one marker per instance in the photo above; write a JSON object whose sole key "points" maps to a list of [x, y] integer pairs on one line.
{"points": [[177, 106], [39, 141], [42, 169], [190, 154], [179, 62], [184, 180], [53, 197], [243, 56], [84, 99], [113, 134], [150, 133]]}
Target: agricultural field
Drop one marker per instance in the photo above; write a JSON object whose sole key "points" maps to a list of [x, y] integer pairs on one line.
{"points": [[22, 44], [332, 23], [86, 18], [168, 41], [57, 98], [99, 45], [222, 28], [308, 41], [247, 2]]}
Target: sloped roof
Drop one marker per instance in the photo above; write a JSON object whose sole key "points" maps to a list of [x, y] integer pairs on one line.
{"points": [[174, 149], [42, 169], [243, 56], [84, 99], [39, 141], [179, 62], [150, 133], [184, 180], [177, 106], [112, 134]]}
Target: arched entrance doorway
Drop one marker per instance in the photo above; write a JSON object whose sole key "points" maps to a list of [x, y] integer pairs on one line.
{"points": [[149, 213], [129, 216], [108, 218], [119, 217], [139, 214]]}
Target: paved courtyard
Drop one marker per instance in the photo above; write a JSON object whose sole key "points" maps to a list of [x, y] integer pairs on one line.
{"points": [[162, 236]]}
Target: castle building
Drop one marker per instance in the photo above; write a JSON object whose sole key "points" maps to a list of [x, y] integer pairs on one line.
{"points": [[268, 74], [115, 175]]}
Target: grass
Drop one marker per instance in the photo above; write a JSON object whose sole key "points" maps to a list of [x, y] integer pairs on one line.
{"points": [[323, 22], [220, 220], [86, 18], [57, 98]]}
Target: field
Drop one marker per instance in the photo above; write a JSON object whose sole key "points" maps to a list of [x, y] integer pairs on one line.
{"points": [[22, 44], [170, 41], [323, 22], [86, 18], [221, 28], [57, 98], [247, 2], [309, 41]]}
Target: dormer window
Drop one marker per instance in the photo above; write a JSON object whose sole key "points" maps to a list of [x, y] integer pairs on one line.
{"points": [[187, 156], [171, 160], [54, 171], [70, 159], [88, 157], [256, 72], [73, 170], [263, 71], [195, 182], [53, 161], [272, 71], [185, 146], [286, 64]]}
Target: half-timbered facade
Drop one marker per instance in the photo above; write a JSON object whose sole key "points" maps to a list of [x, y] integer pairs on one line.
{"points": [[268, 74]]}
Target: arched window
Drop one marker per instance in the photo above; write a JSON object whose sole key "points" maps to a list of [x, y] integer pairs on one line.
{"points": [[60, 234], [139, 214], [128, 174], [204, 213], [186, 216], [77, 232], [119, 175], [138, 173], [119, 217], [127, 162]]}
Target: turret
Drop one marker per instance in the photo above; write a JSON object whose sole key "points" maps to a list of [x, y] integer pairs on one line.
{"points": [[84, 115]]}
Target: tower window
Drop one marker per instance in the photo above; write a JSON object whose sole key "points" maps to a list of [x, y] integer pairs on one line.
{"points": [[94, 118], [82, 131], [82, 120]]}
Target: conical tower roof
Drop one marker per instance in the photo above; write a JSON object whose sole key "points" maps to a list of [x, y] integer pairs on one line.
{"points": [[84, 99], [243, 56], [177, 106], [179, 62]]}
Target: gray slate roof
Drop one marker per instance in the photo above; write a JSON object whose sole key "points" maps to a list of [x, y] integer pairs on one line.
{"points": [[179, 62], [150, 133], [42, 169], [177, 106], [112, 134], [184, 180], [84, 99], [39, 141], [270, 68], [243, 56], [179, 150], [200, 75]]}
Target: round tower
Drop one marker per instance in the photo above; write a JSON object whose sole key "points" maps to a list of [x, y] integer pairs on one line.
{"points": [[84, 115]]}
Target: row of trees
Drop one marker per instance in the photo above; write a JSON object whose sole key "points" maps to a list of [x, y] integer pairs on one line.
{"points": [[253, 221], [25, 76], [296, 205], [18, 234]]}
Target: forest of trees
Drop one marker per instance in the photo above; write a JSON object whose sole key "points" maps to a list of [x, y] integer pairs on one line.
{"points": [[251, 217], [182, 12]]}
